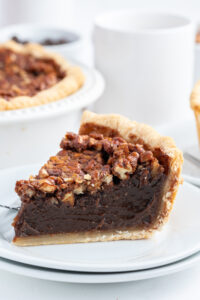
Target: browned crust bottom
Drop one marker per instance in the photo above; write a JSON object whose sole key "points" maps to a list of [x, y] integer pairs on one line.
{"points": [[141, 133], [68, 85], [82, 237]]}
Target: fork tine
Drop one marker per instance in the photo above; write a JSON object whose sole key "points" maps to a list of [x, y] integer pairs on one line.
{"points": [[9, 207], [192, 159]]}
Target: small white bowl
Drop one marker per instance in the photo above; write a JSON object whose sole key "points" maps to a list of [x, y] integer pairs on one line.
{"points": [[37, 33], [31, 135]]}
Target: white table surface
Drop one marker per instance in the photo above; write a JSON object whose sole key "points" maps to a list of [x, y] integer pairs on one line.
{"points": [[183, 285]]}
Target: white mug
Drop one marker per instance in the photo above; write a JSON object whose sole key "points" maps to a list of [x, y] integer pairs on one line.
{"points": [[147, 61]]}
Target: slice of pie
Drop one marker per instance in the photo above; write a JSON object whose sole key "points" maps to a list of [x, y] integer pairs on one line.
{"points": [[195, 105], [31, 76], [116, 179]]}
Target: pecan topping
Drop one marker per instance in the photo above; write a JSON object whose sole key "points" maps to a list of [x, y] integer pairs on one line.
{"points": [[86, 164], [146, 156], [68, 198], [26, 75]]}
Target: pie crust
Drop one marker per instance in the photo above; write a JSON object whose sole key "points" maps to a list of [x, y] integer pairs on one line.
{"points": [[82, 237], [195, 105], [73, 80], [135, 133]]}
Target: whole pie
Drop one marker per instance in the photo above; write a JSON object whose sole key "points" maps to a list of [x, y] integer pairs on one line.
{"points": [[31, 76], [195, 105], [116, 179]]}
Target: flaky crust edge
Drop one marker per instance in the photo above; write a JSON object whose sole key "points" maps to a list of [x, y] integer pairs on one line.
{"points": [[133, 131], [195, 105], [195, 97], [67, 86]]}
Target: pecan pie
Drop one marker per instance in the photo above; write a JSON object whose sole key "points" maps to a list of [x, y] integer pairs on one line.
{"points": [[197, 37], [116, 179], [195, 105], [30, 76]]}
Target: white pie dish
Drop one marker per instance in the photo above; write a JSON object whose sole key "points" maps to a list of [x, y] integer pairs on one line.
{"points": [[33, 134], [37, 33]]}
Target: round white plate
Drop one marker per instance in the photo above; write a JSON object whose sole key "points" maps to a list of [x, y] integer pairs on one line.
{"points": [[90, 91], [76, 277], [179, 239]]}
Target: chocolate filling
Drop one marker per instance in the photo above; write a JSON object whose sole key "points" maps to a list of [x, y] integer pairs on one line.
{"points": [[128, 204], [94, 183], [26, 75]]}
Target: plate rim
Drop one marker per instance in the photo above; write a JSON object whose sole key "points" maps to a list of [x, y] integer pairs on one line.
{"points": [[98, 278]]}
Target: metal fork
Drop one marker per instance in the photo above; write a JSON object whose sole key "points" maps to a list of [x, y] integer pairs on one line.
{"points": [[10, 207], [191, 166], [193, 159]]}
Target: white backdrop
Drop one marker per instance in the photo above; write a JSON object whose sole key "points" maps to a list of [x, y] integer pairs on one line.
{"points": [[79, 14]]}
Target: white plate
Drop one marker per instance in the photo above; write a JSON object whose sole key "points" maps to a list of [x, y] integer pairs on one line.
{"points": [[179, 239], [76, 277], [91, 90]]}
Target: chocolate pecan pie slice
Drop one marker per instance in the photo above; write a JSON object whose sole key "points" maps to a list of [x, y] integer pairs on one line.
{"points": [[31, 76], [115, 180]]}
